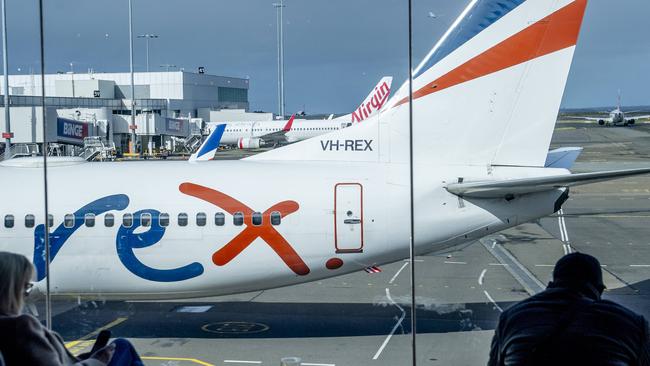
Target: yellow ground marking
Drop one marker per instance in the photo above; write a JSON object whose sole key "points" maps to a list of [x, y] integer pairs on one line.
{"points": [[564, 128], [78, 346], [193, 360]]}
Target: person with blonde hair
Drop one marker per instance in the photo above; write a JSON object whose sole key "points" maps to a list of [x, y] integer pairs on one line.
{"points": [[25, 341]]}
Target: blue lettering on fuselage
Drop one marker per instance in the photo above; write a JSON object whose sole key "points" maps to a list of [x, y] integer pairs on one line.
{"points": [[62, 234], [127, 240]]}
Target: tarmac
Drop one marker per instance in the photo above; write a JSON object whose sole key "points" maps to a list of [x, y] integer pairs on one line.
{"points": [[365, 319]]}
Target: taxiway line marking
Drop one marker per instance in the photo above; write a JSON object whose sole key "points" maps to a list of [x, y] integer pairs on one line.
{"points": [[639, 265], [398, 272], [316, 364], [529, 282], [243, 361], [452, 262], [397, 324], [480, 277], [194, 360], [492, 301]]}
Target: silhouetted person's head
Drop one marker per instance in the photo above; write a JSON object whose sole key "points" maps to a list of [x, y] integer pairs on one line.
{"points": [[580, 272], [15, 282]]}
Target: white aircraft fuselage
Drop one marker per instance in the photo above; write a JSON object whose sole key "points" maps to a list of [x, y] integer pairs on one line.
{"points": [[179, 261], [235, 132]]}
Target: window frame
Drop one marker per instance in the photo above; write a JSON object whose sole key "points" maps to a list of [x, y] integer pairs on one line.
{"points": [[90, 219], [124, 220], [185, 216], [13, 221], [236, 217]]}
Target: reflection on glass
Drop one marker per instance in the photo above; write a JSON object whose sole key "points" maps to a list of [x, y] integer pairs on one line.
{"points": [[201, 219], [182, 219], [29, 221], [127, 220], [219, 219], [109, 220]]}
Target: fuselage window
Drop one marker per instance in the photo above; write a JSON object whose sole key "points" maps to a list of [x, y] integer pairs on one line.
{"points": [[276, 218], [257, 218], [30, 221], [68, 221], [127, 220], [238, 219], [182, 219], [9, 221], [145, 219], [219, 219], [201, 219], [89, 219], [163, 219], [50, 220], [109, 220]]}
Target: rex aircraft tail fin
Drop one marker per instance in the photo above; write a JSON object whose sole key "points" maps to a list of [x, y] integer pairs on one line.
{"points": [[487, 94]]}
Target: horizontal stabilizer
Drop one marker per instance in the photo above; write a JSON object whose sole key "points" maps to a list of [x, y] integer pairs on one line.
{"points": [[210, 145], [563, 157], [513, 187]]}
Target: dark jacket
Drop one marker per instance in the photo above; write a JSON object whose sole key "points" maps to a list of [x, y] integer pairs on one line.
{"points": [[564, 327], [25, 341]]}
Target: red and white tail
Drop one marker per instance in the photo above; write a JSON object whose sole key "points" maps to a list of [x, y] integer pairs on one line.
{"points": [[487, 94], [373, 103]]}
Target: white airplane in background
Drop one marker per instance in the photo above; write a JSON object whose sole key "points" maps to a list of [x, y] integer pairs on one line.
{"points": [[253, 135], [615, 118], [330, 205]]}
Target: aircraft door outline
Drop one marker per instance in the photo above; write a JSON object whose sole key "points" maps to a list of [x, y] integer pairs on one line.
{"points": [[348, 218]]}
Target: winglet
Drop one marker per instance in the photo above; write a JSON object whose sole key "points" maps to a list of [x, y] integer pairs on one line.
{"points": [[209, 146], [563, 157], [287, 127]]}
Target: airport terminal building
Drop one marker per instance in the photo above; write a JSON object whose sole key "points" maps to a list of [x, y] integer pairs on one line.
{"points": [[167, 105]]}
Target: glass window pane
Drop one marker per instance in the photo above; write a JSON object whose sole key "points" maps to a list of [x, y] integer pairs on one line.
{"points": [[219, 219], [9, 221], [276, 218], [145, 219], [238, 219], [29, 221], [50, 220], [68, 220], [201, 219], [127, 220], [182, 219], [257, 219], [89, 220], [109, 220], [163, 219]]}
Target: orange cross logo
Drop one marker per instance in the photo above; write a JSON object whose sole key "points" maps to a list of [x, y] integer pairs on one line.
{"points": [[265, 231]]}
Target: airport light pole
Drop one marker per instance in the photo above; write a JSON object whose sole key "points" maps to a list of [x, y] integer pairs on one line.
{"points": [[280, 10], [147, 37], [5, 58], [132, 147]]}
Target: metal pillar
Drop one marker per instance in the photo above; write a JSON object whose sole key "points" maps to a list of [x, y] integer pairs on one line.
{"points": [[5, 59], [132, 146], [46, 237], [280, 35]]}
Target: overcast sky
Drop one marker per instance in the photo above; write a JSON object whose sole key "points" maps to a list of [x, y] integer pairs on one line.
{"points": [[335, 50]]}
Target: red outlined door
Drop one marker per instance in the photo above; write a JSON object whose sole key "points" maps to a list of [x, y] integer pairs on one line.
{"points": [[348, 217]]}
